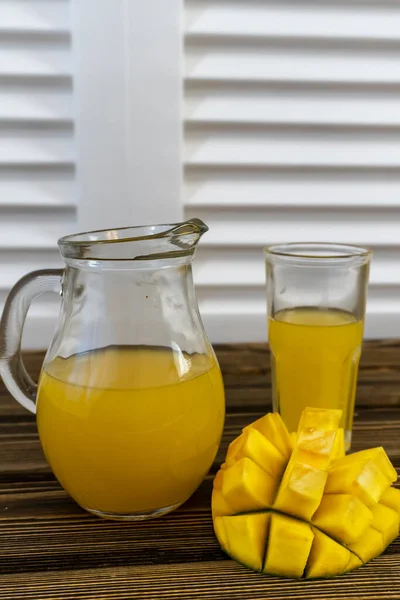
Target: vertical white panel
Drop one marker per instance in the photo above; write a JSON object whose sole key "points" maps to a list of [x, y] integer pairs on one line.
{"points": [[128, 80]]}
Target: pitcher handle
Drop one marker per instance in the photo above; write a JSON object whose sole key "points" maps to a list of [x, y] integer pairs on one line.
{"points": [[12, 369]]}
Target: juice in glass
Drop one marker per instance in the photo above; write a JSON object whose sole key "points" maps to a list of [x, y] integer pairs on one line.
{"points": [[315, 354], [130, 430]]}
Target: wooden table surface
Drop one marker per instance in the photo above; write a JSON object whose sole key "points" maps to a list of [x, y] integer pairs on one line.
{"points": [[52, 549]]}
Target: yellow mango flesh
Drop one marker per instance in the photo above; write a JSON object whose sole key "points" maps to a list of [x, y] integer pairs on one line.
{"points": [[217, 482], [315, 447], [247, 535], [327, 557], [366, 474], [391, 498], [363, 480], [273, 429], [305, 477], [343, 516], [386, 521], [301, 490], [320, 418], [354, 563], [378, 455], [252, 444], [219, 506], [246, 487], [338, 450], [369, 545], [289, 545], [294, 523], [220, 532]]}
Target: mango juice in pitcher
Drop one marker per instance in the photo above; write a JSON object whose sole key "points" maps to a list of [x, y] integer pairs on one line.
{"points": [[130, 404], [130, 430], [315, 354]]}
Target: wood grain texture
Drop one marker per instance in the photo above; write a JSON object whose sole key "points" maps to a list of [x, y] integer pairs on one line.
{"points": [[51, 549]]}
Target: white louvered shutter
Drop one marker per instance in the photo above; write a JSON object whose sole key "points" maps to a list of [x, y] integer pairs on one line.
{"points": [[292, 133], [37, 199]]}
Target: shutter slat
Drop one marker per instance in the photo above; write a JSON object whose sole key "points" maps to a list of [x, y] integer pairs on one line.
{"points": [[40, 16], [258, 228], [37, 230], [296, 62], [301, 19], [38, 60], [212, 188], [264, 107], [57, 190], [53, 106], [295, 147], [21, 147]]}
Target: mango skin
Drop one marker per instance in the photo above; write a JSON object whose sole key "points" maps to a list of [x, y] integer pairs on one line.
{"points": [[327, 515]]}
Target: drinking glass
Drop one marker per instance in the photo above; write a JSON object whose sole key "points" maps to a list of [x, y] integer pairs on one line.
{"points": [[316, 297]]}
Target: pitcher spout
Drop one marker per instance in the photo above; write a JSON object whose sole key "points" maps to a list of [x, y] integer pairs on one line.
{"points": [[149, 242], [186, 235]]}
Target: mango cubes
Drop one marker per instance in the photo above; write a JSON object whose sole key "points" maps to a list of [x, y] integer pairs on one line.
{"points": [[294, 505]]}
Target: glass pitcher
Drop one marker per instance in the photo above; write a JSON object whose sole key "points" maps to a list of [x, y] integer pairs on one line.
{"points": [[130, 403]]}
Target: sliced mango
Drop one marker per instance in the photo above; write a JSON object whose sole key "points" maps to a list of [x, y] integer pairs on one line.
{"points": [[289, 545], [354, 563], [233, 448], [274, 429], [219, 506], [320, 418], [252, 444], [386, 521], [246, 487], [305, 477], [369, 545], [391, 498], [363, 479], [339, 445], [326, 515], [343, 516], [327, 557], [247, 535], [379, 457], [219, 530], [217, 481], [315, 447], [301, 490]]}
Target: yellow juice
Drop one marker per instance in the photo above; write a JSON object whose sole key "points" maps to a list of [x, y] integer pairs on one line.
{"points": [[315, 355], [130, 430]]}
